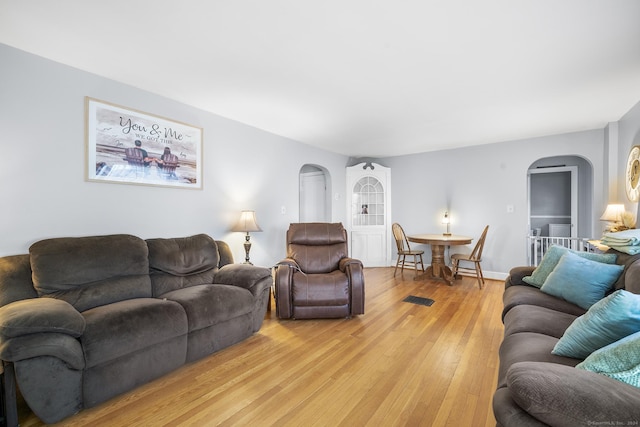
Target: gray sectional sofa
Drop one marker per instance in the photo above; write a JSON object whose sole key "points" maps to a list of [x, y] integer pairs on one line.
{"points": [[85, 319], [537, 387]]}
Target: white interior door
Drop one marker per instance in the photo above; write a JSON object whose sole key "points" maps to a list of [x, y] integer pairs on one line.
{"points": [[368, 209]]}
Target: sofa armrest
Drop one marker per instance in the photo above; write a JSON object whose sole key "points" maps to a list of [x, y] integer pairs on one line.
{"points": [[37, 315], [516, 274], [63, 346], [245, 276], [561, 395]]}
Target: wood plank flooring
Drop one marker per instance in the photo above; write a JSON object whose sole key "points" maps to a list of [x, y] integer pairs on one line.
{"points": [[399, 364]]}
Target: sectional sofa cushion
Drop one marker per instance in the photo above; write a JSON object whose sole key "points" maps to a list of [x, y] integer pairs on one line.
{"points": [[610, 319], [581, 281], [552, 257]]}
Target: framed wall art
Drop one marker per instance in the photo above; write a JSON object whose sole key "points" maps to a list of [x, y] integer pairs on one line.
{"points": [[131, 147]]}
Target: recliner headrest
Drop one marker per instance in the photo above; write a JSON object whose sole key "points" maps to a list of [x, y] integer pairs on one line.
{"points": [[316, 233]]}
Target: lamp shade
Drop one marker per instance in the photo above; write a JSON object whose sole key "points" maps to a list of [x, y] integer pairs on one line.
{"points": [[446, 219], [247, 222], [613, 213]]}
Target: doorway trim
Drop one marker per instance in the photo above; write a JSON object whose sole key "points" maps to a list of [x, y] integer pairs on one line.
{"points": [[573, 170]]}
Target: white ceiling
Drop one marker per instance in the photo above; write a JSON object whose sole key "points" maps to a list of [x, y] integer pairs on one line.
{"points": [[365, 78]]}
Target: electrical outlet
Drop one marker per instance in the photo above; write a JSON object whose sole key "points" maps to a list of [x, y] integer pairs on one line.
{"points": [[283, 210], [510, 209]]}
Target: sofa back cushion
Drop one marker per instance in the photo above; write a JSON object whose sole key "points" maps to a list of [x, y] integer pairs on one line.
{"points": [[88, 272], [317, 247], [182, 262]]}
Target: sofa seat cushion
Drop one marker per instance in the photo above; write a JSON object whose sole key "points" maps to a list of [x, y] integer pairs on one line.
{"points": [[528, 295], [541, 320], [528, 347], [124, 327], [207, 305], [331, 289], [91, 271]]}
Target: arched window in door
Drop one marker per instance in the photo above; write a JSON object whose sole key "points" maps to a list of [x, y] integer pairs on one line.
{"points": [[368, 202]]}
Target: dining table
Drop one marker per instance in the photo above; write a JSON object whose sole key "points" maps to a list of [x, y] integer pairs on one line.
{"points": [[438, 242]]}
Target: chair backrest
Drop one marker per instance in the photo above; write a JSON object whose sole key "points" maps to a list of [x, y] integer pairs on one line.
{"points": [[400, 237], [133, 156], [317, 247], [476, 254]]}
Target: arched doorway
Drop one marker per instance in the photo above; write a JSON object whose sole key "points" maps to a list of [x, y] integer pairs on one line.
{"points": [[314, 194], [560, 198]]}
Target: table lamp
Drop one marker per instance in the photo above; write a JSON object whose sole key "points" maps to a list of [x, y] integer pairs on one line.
{"points": [[613, 215], [246, 224], [446, 220]]}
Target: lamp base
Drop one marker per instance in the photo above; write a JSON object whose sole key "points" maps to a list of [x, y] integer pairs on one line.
{"points": [[247, 248], [446, 234]]}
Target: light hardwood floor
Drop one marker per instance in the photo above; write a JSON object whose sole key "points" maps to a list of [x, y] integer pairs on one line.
{"points": [[399, 364]]}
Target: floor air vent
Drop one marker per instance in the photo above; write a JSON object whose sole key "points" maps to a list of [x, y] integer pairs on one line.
{"points": [[419, 300]]}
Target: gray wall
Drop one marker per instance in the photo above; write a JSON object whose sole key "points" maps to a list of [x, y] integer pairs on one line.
{"points": [[476, 184], [44, 194]]}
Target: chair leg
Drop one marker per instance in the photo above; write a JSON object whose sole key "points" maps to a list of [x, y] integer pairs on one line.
{"points": [[421, 263], [480, 275], [397, 264], [454, 269]]}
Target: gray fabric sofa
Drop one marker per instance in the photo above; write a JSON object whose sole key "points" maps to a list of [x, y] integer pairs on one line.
{"points": [[538, 388], [85, 319]]}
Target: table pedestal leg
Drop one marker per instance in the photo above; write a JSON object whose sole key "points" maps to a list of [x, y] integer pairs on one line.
{"points": [[438, 268]]}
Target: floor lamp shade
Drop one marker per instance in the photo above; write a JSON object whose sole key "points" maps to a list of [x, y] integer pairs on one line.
{"points": [[246, 224]]}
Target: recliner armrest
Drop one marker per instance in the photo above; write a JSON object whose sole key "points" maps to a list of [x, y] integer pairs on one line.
{"points": [[344, 262], [353, 268]]}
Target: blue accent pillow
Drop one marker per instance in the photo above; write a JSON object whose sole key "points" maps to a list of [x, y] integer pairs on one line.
{"points": [[610, 319], [551, 259], [581, 281], [620, 360]]}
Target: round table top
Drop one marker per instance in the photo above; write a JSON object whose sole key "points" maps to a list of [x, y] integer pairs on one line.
{"points": [[440, 239]]}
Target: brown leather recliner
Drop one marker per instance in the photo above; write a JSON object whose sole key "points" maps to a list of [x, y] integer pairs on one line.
{"points": [[318, 279]]}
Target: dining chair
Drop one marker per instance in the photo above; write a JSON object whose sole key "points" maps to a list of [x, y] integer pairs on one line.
{"points": [[405, 250], [474, 257]]}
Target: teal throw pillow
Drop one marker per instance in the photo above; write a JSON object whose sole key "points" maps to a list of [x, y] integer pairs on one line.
{"points": [[620, 360], [551, 259], [610, 319], [581, 281]]}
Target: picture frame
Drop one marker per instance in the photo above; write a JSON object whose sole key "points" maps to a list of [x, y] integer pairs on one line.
{"points": [[127, 146]]}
